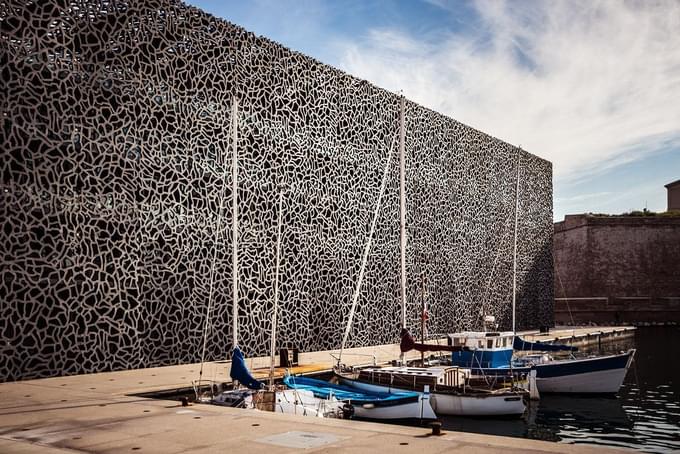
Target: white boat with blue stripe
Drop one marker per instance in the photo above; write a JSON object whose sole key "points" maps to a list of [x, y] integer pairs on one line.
{"points": [[377, 404], [590, 375]]}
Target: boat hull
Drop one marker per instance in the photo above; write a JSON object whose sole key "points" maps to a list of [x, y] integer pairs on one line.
{"points": [[417, 410], [295, 402], [602, 375], [289, 401], [493, 405], [502, 404]]}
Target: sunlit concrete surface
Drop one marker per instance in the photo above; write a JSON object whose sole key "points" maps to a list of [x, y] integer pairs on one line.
{"points": [[97, 413]]}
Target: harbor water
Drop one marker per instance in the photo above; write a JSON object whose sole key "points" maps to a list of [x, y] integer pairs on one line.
{"points": [[644, 416]]}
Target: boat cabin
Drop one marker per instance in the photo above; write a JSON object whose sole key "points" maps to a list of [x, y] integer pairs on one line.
{"points": [[415, 377], [488, 349]]}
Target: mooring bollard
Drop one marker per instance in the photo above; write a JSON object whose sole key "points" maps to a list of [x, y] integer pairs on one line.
{"points": [[185, 402], [436, 428]]}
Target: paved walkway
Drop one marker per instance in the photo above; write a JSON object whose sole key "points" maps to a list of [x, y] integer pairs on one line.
{"points": [[96, 413], [88, 414]]}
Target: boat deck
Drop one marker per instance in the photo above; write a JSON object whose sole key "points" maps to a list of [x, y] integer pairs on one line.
{"points": [[262, 373]]}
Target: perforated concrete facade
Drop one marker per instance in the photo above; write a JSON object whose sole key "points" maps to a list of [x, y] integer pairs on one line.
{"points": [[116, 156]]}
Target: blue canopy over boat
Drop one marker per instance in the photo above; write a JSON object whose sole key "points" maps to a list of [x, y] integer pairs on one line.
{"points": [[239, 371], [324, 390], [522, 345]]}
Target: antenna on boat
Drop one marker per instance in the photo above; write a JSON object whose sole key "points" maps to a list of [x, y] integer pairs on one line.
{"points": [[282, 189]]}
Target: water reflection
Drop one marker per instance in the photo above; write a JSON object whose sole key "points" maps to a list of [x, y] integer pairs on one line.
{"points": [[597, 420], [644, 416]]}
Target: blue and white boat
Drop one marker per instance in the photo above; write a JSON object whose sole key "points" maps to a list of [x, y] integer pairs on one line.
{"points": [[485, 350], [590, 375], [491, 353], [368, 404]]}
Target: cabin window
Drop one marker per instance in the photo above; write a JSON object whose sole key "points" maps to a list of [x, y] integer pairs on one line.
{"points": [[480, 343], [457, 342], [489, 343], [505, 342]]}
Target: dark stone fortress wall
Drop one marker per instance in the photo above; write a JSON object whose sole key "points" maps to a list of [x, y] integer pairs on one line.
{"points": [[116, 157]]}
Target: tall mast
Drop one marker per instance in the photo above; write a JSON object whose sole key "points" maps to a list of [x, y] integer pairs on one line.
{"points": [[514, 255], [276, 290], [367, 249], [208, 311], [402, 208], [234, 217]]}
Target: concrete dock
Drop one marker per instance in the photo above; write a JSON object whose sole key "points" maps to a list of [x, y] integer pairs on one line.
{"points": [[591, 336], [100, 413]]}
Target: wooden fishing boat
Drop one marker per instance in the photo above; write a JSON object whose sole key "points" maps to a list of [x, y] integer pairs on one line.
{"points": [[449, 394]]}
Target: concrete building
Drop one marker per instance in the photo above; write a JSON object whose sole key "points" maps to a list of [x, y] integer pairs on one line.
{"points": [[673, 196], [617, 269], [120, 120]]}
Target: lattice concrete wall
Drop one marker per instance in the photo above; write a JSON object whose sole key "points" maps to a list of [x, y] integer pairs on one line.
{"points": [[115, 150]]}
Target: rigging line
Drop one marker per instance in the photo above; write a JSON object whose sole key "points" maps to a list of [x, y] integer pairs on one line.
{"points": [[355, 297], [208, 311], [493, 268], [564, 293], [276, 289]]}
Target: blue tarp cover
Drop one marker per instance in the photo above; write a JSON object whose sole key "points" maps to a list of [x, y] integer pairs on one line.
{"points": [[522, 345], [324, 389], [239, 371]]}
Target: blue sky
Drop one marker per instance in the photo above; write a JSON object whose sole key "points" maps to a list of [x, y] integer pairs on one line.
{"points": [[593, 86]]}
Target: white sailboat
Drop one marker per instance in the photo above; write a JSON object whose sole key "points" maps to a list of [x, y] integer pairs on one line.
{"points": [[249, 392], [423, 408], [448, 394]]}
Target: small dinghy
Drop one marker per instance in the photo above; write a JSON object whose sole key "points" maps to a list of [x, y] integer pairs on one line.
{"points": [[369, 404]]}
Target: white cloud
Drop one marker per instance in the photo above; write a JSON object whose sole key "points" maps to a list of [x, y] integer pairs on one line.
{"points": [[582, 197], [586, 85]]}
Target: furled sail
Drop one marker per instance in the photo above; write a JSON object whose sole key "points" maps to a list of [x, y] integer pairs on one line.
{"points": [[239, 371], [408, 343]]}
